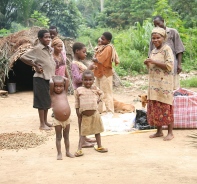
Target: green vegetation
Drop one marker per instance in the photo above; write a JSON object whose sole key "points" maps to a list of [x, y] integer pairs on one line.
{"points": [[192, 82]]}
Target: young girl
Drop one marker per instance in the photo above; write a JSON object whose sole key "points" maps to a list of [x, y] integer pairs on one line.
{"points": [[105, 54], [61, 110], [160, 91], [77, 69], [59, 57], [86, 104]]}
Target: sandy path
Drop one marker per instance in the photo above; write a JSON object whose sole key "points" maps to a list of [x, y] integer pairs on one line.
{"points": [[132, 158]]}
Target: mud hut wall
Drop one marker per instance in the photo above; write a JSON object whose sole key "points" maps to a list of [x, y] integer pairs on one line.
{"points": [[10, 50]]}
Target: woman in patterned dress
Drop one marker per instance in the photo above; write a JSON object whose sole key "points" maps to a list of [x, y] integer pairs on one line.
{"points": [[160, 91]]}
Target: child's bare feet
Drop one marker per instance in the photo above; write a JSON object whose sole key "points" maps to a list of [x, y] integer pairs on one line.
{"points": [[59, 156], [158, 134], [168, 137], [44, 127], [48, 124], [68, 154]]}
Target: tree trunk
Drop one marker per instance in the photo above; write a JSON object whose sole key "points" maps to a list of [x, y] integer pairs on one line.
{"points": [[102, 5]]}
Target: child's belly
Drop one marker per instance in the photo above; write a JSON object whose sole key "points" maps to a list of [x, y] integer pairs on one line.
{"points": [[61, 110]]}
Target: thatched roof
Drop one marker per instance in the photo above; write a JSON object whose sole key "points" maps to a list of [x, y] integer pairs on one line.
{"points": [[14, 45]]}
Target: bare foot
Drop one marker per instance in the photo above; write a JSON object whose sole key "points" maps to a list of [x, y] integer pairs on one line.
{"points": [[59, 156], [68, 154], [44, 128], [168, 137], [156, 135], [87, 145], [90, 140], [48, 124]]}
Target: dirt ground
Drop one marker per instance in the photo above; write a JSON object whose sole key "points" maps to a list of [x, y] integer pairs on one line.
{"points": [[132, 158]]}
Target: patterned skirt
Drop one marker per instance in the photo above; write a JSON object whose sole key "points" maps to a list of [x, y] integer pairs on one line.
{"points": [[159, 114]]}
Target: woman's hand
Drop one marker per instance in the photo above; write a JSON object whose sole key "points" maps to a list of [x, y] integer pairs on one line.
{"points": [[149, 61]]}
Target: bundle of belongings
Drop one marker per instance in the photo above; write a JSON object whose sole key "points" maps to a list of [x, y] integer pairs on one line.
{"points": [[119, 123], [185, 109], [141, 120]]}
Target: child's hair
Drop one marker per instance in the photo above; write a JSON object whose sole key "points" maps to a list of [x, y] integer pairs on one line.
{"points": [[87, 72], [58, 78], [42, 32], [77, 46], [158, 17], [107, 35], [53, 27]]}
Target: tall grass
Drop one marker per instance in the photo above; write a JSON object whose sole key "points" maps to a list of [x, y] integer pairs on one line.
{"points": [[192, 82]]}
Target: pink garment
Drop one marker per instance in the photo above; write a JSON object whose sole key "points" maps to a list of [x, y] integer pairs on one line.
{"points": [[60, 68]]}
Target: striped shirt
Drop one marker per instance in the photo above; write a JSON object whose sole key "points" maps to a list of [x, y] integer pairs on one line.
{"points": [[87, 98]]}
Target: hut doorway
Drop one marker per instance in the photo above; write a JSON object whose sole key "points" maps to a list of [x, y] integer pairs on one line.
{"points": [[22, 75]]}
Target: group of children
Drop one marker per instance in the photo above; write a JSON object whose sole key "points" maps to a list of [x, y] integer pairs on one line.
{"points": [[88, 96]]}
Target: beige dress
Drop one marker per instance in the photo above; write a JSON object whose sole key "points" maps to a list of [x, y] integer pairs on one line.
{"points": [[87, 99]]}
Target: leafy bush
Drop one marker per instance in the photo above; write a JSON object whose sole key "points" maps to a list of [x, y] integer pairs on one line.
{"points": [[121, 71], [39, 20]]}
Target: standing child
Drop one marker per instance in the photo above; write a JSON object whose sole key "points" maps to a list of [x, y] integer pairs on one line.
{"points": [[103, 58], [40, 58], [61, 110], [77, 69], [160, 91], [86, 104]]}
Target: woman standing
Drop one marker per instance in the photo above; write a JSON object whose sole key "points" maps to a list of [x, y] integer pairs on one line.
{"points": [[40, 58], [160, 91], [175, 43]]}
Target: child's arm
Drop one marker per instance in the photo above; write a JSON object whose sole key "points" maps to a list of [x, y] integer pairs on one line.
{"points": [[77, 103], [78, 113], [66, 84], [51, 83]]}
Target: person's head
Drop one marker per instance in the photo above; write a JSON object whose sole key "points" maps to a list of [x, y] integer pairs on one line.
{"points": [[79, 50], [57, 45], [106, 38], [88, 78], [158, 36], [158, 21], [59, 84], [44, 37], [53, 31], [100, 41]]}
